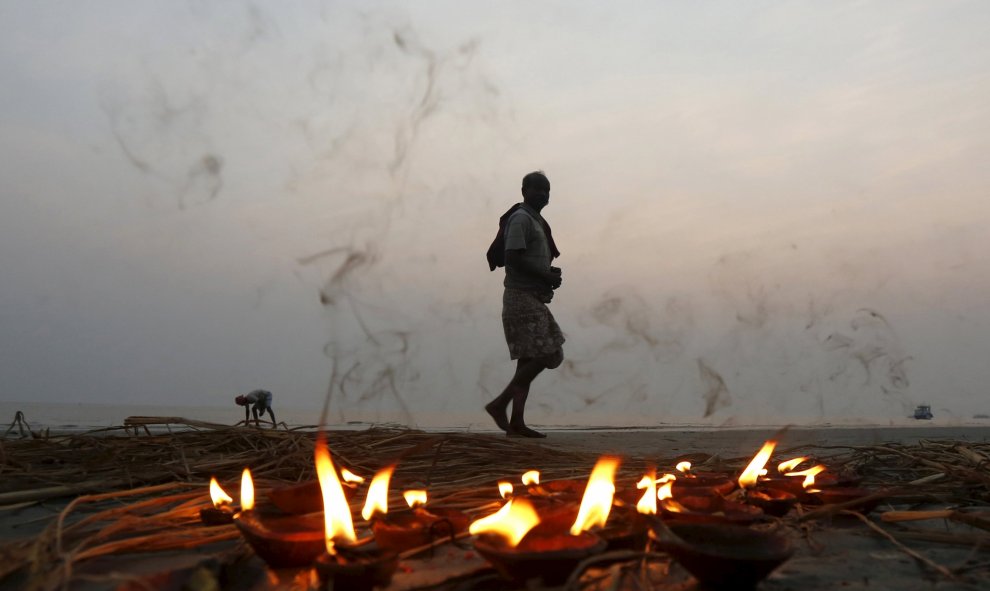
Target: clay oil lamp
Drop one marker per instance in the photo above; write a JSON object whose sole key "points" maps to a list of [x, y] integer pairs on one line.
{"points": [[222, 511], [564, 490], [345, 564], [620, 527], [710, 509], [772, 501], [627, 527], [835, 495], [556, 502], [282, 541], [722, 556], [506, 539], [699, 484], [854, 498], [788, 478], [441, 521], [402, 530], [299, 499]]}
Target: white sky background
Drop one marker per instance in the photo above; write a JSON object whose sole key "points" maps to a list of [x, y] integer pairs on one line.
{"points": [[769, 211]]}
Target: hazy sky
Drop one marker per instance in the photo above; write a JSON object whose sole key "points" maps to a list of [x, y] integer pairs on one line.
{"points": [[768, 211]]}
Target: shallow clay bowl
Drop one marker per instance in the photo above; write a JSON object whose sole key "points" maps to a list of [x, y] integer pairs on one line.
{"points": [[403, 530], [283, 541], [556, 517], [357, 571], [299, 499], [711, 509], [791, 484], [563, 488], [625, 530], [724, 556], [841, 494], [703, 484], [772, 501], [551, 558]]}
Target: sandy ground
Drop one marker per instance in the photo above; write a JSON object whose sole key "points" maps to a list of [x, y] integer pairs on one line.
{"points": [[843, 555]]}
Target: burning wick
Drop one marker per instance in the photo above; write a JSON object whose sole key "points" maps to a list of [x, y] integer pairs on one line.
{"points": [[648, 504], [511, 523], [219, 497], [683, 467], [531, 478], [597, 500], [755, 469], [505, 489], [222, 512], [336, 512], [377, 501], [666, 496], [247, 491], [350, 477], [809, 475], [415, 498], [789, 465]]}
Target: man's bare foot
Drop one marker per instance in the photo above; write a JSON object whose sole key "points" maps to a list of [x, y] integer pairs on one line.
{"points": [[523, 431], [499, 415]]}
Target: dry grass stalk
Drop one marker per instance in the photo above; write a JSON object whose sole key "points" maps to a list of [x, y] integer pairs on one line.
{"points": [[920, 558]]}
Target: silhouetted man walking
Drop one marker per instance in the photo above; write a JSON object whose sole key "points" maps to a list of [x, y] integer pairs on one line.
{"points": [[526, 248]]}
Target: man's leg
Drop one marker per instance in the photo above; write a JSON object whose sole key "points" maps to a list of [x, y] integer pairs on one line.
{"points": [[516, 392], [497, 408]]}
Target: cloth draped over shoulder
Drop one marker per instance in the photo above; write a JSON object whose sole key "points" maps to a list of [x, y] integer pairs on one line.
{"points": [[496, 252]]}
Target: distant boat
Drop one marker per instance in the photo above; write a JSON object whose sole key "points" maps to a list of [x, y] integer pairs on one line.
{"points": [[924, 411]]}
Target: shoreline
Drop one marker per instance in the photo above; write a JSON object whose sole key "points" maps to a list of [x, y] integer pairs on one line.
{"points": [[81, 417]]}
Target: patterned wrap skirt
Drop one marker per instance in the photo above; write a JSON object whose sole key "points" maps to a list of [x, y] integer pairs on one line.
{"points": [[530, 329]]}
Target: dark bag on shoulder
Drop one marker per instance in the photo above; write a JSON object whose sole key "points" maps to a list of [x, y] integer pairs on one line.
{"points": [[496, 252]]}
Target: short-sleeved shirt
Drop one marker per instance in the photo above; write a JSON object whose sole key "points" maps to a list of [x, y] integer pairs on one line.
{"points": [[524, 231], [261, 399]]}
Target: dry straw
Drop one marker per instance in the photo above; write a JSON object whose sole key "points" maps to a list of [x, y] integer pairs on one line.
{"points": [[142, 493]]}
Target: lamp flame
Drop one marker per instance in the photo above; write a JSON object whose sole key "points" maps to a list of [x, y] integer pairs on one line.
{"points": [[755, 468], [219, 497], [349, 476], [666, 491], [336, 511], [512, 522], [505, 489], [597, 500], [648, 504], [666, 496], [415, 498], [809, 475], [247, 491], [531, 477], [683, 467], [789, 465], [377, 500]]}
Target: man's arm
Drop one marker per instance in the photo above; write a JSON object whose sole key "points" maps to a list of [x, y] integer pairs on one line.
{"points": [[514, 259], [271, 413]]}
